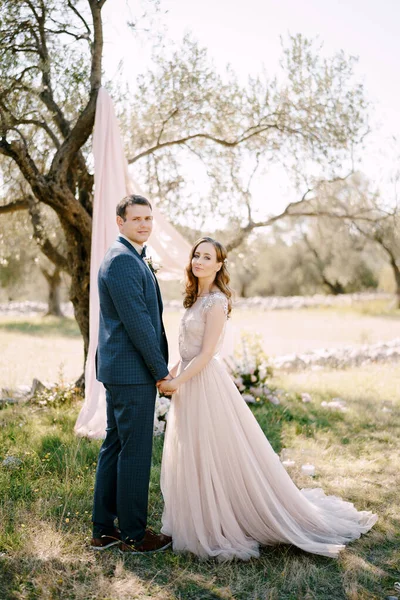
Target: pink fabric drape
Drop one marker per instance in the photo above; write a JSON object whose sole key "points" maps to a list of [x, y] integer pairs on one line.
{"points": [[113, 182]]}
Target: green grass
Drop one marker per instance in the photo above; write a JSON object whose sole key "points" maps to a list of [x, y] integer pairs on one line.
{"points": [[45, 505], [42, 326]]}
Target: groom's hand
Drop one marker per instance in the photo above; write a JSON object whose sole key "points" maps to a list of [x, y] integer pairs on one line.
{"points": [[167, 378], [168, 388], [165, 387]]}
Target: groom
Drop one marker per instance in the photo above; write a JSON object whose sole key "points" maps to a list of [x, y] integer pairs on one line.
{"points": [[131, 358]]}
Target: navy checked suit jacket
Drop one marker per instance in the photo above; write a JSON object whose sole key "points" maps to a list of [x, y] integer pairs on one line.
{"points": [[132, 346]]}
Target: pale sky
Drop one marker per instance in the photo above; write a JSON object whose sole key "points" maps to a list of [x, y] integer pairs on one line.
{"points": [[246, 33]]}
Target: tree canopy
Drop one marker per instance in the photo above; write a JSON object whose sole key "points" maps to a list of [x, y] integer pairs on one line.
{"points": [[309, 118]]}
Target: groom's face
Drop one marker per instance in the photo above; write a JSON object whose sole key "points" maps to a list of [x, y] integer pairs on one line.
{"points": [[138, 223]]}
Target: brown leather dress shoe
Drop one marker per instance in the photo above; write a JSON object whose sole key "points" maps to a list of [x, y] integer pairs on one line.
{"points": [[152, 542], [106, 541]]}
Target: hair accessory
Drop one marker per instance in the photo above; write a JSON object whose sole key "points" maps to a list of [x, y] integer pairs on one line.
{"points": [[225, 261]]}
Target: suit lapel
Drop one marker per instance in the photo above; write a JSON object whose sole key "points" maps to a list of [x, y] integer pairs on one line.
{"points": [[160, 302], [129, 246], [151, 274]]}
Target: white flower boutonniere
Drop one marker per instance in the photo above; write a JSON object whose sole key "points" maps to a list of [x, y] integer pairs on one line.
{"points": [[153, 266]]}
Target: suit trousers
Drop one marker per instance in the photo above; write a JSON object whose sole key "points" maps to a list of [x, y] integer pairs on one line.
{"points": [[123, 469]]}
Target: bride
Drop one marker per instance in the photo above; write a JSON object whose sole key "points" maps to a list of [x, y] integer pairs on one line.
{"points": [[225, 489]]}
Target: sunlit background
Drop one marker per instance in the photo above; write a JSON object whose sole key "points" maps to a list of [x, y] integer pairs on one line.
{"points": [[248, 36]]}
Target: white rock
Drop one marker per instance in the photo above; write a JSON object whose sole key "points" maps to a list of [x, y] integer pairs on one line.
{"points": [[308, 469], [11, 462]]}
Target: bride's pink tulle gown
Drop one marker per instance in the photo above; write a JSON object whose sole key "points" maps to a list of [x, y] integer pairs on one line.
{"points": [[225, 489]]}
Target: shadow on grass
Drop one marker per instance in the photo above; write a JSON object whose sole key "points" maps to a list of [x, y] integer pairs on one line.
{"points": [[282, 572], [166, 575], [8, 585], [43, 327]]}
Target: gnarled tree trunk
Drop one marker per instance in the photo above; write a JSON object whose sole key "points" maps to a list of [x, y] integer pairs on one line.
{"points": [[54, 283]]}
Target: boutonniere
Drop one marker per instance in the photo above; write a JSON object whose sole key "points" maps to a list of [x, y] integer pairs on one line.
{"points": [[153, 266]]}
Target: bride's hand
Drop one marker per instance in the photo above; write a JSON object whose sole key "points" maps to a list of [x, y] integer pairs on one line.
{"points": [[167, 387]]}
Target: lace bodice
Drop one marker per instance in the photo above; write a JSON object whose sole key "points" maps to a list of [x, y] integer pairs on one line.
{"points": [[193, 323]]}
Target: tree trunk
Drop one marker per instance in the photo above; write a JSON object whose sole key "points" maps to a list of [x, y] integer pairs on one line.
{"points": [[398, 298], [335, 287], [79, 270], [396, 271], [243, 289], [54, 282]]}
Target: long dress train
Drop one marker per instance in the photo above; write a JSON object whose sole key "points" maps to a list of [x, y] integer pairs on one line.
{"points": [[225, 489]]}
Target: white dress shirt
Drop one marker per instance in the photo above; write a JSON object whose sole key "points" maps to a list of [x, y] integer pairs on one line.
{"points": [[137, 247]]}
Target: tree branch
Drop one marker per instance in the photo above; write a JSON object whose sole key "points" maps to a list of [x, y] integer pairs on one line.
{"points": [[19, 153], [14, 206], [170, 116], [308, 212], [205, 136], [43, 242], [33, 9], [46, 128], [42, 124], [84, 125], [77, 37], [29, 203], [78, 14], [335, 287]]}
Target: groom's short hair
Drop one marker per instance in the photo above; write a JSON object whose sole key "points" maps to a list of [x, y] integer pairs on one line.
{"points": [[131, 200]]}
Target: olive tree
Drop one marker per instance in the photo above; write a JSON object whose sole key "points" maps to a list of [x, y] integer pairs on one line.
{"points": [[309, 118], [313, 113], [48, 92]]}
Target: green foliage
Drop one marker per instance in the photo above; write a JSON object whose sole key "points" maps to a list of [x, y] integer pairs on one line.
{"points": [[21, 260], [17, 252], [184, 109], [26, 92], [311, 256]]}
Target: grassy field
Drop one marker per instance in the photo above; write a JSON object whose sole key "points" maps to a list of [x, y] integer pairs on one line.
{"points": [[51, 349], [45, 504]]}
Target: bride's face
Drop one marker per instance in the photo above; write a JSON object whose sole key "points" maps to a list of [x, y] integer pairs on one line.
{"points": [[204, 261]]}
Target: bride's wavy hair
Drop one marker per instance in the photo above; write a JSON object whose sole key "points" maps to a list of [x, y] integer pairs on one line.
{"points": [[221, 280]]}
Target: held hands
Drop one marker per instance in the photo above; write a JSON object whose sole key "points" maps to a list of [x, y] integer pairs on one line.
{"points": [[167, 385]]}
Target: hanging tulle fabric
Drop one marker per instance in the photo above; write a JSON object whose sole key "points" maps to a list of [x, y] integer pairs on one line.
{"points": [[112, 182]]}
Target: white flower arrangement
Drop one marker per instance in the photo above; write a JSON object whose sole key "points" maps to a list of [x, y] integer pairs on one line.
{"points": [[160, 414], [250, 370]]}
